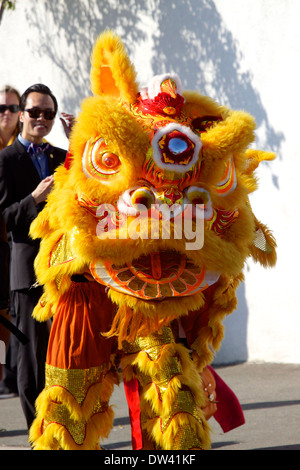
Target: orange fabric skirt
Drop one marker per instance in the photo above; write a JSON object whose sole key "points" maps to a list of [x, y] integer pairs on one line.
{"points": [[84, 312]]}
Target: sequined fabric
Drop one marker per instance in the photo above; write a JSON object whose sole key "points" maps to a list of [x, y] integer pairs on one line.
{"points": [[64, 252], [65, 249], [77, 383], [175, 402]]}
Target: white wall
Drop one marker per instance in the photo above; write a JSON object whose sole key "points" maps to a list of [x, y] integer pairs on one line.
{"points": [[268, 39], [243, 53]]}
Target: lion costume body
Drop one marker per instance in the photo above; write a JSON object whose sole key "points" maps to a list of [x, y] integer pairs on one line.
{"points": [[143, 243]]}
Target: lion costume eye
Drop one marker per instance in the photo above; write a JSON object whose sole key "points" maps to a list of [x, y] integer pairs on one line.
{"points": [[97, 161], [202, 124]]}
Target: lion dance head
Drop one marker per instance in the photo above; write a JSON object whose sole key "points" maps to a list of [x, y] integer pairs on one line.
{"points": [[153, 203]]}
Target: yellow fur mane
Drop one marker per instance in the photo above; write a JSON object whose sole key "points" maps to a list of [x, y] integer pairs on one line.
{"points": [[68, 230]]}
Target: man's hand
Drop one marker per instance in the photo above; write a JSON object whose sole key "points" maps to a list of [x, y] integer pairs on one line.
{"points": [[42, 190], [67, 121]]}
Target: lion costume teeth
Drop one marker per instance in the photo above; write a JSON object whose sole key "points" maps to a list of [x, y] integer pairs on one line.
{"points": [[126, 294]]}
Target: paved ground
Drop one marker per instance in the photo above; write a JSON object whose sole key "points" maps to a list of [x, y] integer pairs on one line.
{"points": [[270, 398]]}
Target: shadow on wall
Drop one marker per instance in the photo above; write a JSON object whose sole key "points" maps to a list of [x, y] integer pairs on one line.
{"points": [[188, 37], [195, 43], [67, 32]]}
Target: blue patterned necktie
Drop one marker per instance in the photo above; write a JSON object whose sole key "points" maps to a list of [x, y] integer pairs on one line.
{"points": [[39, 158]]}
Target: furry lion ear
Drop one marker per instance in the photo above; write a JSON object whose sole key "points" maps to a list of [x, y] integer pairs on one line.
{"points": [[112, 73]]}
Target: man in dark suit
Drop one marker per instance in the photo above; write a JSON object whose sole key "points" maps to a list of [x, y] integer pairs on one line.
{"points": [[26, 178], [4, 287]]}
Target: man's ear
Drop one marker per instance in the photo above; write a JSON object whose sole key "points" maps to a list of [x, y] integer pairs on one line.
{"points": [[112, 73], [21, 116]]}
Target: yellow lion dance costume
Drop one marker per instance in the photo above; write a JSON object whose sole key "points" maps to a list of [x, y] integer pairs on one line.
{"points": [[143, 242]]}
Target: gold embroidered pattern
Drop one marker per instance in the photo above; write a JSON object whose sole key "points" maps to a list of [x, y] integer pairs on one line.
{"points": [[187, 438], [64, 252], [165, 399], [151, 344], [76, 382], [185, 403], [60, 415], [65, 248]]}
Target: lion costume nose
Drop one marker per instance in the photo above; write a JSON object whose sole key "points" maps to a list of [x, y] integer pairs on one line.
{"points": [[142, 197]]}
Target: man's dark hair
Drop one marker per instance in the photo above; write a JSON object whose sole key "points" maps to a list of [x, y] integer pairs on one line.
{"points": [[37, 88]]}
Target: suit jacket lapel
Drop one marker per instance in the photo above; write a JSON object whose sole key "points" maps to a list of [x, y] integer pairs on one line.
{"points": [[24, 158], [51, 160]]}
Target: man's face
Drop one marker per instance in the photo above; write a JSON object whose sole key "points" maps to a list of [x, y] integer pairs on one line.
{"points": [[35, 128]]}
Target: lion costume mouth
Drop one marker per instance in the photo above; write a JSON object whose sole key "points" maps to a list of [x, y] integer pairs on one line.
{"points": [[159, 275]]}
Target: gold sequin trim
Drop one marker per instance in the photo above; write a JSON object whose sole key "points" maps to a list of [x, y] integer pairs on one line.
{"points": [[64, 252], [261, 243], [75, 381], [185, 403], [65, 248], [152, 344], [162, 377], [175, 399], [186, 438]]}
